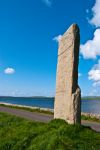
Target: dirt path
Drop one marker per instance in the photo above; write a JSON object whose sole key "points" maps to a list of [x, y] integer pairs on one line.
{"points": [[43, 117]]}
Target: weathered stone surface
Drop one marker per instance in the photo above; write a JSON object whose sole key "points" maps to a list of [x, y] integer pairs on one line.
{"points": [[68, 94]]}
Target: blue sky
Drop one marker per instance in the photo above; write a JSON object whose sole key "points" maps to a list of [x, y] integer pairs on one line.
{"points": [[29, 36]]}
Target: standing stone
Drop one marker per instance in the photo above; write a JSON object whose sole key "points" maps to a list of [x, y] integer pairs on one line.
{"points": [[68, 94]]}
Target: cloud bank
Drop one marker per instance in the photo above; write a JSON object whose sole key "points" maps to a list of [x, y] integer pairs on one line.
{"points": [[96, 14], [91, 49]]}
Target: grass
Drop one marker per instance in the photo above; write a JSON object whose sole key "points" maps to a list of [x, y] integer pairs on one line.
{"points": [[88, 118], [20, 134]]}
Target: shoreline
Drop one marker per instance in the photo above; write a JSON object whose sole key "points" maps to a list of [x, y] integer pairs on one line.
{"points": [[24, 106], [97, 116]]}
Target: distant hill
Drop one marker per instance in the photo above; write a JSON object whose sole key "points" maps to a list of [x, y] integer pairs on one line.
{"points": [[26, 97], [91, 97], [44, 97]]}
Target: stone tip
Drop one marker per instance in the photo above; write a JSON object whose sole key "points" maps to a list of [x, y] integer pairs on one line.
{"points": [[73, 27]]}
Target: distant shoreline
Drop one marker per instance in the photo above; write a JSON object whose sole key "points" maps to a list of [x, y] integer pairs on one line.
{"points": [[26, 97], [44, 97]]}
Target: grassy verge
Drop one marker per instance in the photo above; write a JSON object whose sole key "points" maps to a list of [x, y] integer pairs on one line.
{"points": [[20, 134], [88, 118], [29, 109]]}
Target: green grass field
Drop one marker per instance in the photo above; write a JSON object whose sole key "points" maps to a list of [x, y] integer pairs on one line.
{"points": [[20, 134]]}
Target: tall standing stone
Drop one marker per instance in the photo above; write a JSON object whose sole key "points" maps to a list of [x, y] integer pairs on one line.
{"points": [[68, 94]]}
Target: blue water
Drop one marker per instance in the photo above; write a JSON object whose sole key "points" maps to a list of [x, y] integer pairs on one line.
{"points": [[90, 106]]}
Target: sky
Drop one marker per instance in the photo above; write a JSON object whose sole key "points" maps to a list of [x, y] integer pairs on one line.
{"points": [[30, 31]]}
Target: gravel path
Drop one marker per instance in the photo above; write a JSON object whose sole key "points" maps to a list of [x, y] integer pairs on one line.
{"points": [[43, 117]]}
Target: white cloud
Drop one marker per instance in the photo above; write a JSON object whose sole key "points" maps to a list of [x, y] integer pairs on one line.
{"points": [[91, 49], [47, 2], [96, 14], [79, 74], [57, 38], [94, 74], [9, 71]]}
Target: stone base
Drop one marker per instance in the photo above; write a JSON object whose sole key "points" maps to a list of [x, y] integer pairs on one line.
{"points": [[71, 114]]}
